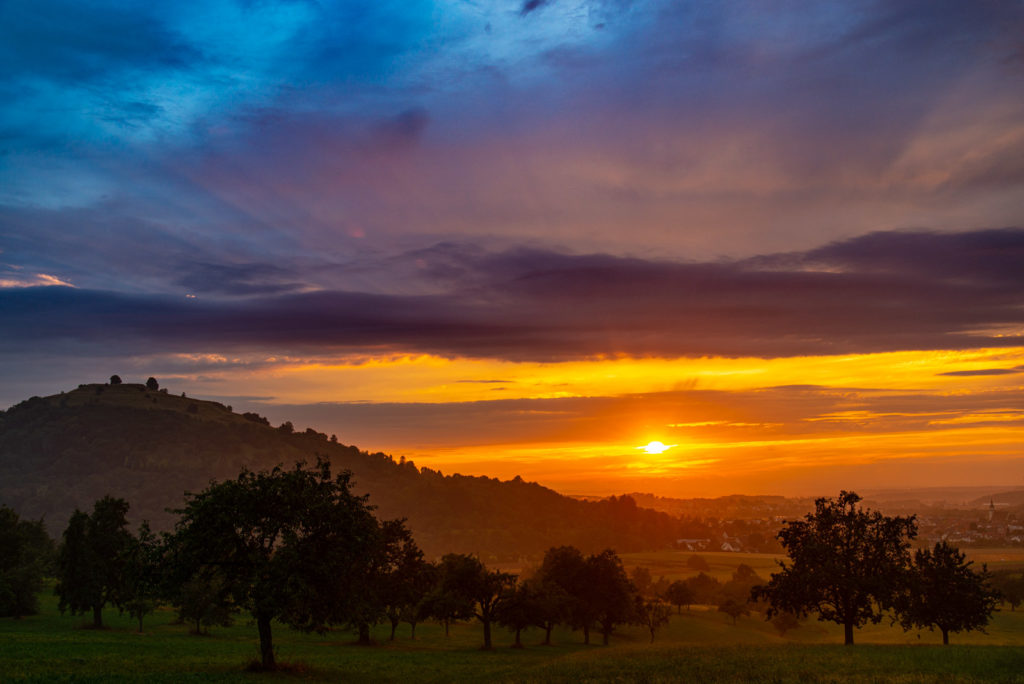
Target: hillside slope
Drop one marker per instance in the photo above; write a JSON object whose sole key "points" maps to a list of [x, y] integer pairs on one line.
{"points": [[149, 446]]}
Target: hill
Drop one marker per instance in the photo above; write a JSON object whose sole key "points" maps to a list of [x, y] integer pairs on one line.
{"points": [[149, 446]]}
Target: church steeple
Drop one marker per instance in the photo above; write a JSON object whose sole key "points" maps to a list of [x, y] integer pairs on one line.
{"points": [[991, 508]]}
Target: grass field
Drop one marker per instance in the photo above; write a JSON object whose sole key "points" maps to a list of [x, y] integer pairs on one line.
{"points": [[701, 645]]}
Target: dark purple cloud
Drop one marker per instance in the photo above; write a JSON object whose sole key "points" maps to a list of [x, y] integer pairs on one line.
{"points": [[880, 292]]}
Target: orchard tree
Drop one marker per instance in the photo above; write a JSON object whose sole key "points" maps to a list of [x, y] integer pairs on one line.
{"points": [[405, 577], [467, 583], [518, 610], [846, 564], [141, 584], [26, 553], [651, 613], [733, 608], [203, 601], [943, 591], [285, 544], [564, 572], [679, 594], [91, 560], [608, 591]]}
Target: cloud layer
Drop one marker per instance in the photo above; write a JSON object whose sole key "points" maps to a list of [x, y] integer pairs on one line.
{"points": [[878, 292]]}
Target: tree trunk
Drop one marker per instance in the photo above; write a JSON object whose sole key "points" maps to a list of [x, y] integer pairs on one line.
{"points": [[140, 624], [446, 623], [266, 644], [199, 626], [413, 634], [945, 637], [487, 634], [518, 644], [848, 633], [652, 635], [394, 626], [604, 636], [364, 634], [547, 634], [97, 616], [586, 634]]}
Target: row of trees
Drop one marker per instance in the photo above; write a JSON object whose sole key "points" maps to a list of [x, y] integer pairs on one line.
{"points": [[297, 547], [852, 566]]}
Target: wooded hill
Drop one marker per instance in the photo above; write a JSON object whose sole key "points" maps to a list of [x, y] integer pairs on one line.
{"points": [[150, 446]]}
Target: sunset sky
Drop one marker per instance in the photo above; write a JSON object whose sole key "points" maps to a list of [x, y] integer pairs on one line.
{"points": [[784, 239]]}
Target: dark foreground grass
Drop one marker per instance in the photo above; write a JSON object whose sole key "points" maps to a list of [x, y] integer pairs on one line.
{"points": [[700, 646]]}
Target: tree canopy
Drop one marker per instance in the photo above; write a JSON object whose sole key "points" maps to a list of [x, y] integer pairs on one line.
{"points": [[846, 563], [943, 591], [89, 567], [26, 552], [285, 544]]}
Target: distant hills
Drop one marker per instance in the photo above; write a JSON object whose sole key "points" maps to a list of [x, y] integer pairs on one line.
{"points": [[149, 446]]}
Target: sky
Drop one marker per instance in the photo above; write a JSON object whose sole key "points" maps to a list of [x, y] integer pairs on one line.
{"points": [[529, 237]]}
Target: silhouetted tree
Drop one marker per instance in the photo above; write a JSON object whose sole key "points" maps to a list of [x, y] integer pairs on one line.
{"points": [[705, 588], [152, 384], [944, 592], [141, 583], [204, 601], [733, 608], [565, 567], [607, 589], [846, 564], [650, 613], [679, 594], [466, 579], [26, 553], [285, 543], [518, 610], [90, 564], [406, 578], [641, 579], [1010, 588], [115, 379]]}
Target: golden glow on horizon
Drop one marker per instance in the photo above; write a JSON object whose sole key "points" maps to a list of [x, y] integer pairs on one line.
{"points": [[432, 379], [747, 422]]}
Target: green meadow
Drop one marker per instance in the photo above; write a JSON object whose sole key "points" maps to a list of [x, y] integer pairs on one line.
{"points": [[699, 645]]}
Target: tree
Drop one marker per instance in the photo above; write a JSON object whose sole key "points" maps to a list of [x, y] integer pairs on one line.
{"points": [[679, 594], [406, 578], [563, 572], [846, 564], [641, 579], [204, 601], [1010, 588], [115, 379], [945, 592], [705, 588], [285, 542], [26, 552], [152, 384], [733, 608], [650, 613], [89, 567], [141, 584], [466, 582], [553, 605], [518, 610], [608, 592]]}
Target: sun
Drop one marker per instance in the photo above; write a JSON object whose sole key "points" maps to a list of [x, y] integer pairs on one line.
{"points": [[656, 447]]}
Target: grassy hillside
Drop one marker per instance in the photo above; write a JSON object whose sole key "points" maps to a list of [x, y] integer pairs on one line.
{"points": [[700, 646], [65, 451]]}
